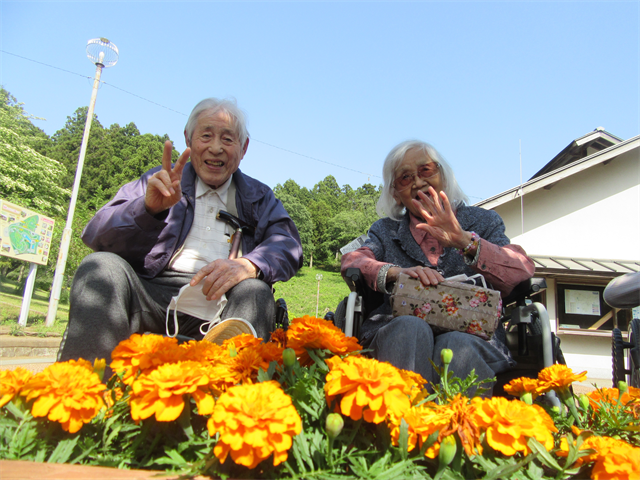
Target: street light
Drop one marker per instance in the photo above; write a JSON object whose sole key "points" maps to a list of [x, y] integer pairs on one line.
{"points": [[102, 53]]}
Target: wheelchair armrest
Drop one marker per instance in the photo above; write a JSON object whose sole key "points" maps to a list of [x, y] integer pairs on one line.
{"points": [[524, 290]]}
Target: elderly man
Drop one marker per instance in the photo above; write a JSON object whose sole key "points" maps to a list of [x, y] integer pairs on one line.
{"points": [[160, 233]]}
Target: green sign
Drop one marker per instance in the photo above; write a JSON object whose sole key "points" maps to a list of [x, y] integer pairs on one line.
{"points": [[24, 234]]}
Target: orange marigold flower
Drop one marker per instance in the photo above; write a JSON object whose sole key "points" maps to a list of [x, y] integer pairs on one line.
{"points": [[244, 367], [610, 395], [559, 378], [279, 337], [143, 352], [11, 382], [519, 386], [366, 388], [162, 391], [510, 423], [415, 384], [204, 352], [461, 419], [242, 341], [316, 333], [68, 392], [422, 421], [621, 462], [613, 458], [254, 421]]}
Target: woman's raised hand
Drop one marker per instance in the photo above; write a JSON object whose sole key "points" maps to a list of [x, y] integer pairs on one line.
{"points": [[440, 219], [163, 189]]}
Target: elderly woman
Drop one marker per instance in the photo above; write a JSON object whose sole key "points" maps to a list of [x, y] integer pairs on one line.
{"points": [[430, 233]]}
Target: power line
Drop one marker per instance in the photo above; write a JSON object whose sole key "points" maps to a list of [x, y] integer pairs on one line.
{"points": [[184, 114]]}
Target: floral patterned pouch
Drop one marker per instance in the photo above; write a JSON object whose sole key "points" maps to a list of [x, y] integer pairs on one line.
{"points": [[448, 306]]}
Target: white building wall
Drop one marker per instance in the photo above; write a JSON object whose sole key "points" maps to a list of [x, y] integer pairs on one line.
{"points": [[591, 214]]}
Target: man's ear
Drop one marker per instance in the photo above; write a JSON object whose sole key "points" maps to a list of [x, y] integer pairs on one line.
{"points": [[186, 139], [244, 149]]}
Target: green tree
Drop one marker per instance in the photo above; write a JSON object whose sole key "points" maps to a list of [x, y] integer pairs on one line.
{"points": [[301, 217], [28, 178]]}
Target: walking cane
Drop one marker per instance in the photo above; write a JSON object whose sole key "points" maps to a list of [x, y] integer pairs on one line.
{"points": [[240, 229]]}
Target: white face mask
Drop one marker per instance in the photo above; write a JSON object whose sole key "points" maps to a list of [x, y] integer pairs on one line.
{"points": [[192, 301]]}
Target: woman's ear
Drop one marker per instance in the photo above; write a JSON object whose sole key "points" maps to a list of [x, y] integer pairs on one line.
{"points": [[396, 197]]}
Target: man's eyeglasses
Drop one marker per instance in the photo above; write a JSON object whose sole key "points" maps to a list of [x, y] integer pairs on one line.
{"points": [[404, 181]]}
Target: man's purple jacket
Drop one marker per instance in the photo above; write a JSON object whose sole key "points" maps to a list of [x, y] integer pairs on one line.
{"points": [[148, 242]]}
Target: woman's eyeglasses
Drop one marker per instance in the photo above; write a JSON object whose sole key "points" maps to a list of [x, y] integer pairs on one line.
{"points": [[404, 181]]}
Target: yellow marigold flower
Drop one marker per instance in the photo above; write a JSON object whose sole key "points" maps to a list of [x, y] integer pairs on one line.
{"points": [[316, 333], [162, 391], [254, 421], [143, 352], [559, 378], [519, 386], [510, 423], [69, 393], [11, 382], [279, 337], [366, 388]]}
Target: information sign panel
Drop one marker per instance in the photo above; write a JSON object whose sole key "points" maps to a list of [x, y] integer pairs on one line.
{"points": [[24, 234]]}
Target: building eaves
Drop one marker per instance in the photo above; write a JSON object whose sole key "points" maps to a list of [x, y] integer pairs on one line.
{"points": [[555, 176]]}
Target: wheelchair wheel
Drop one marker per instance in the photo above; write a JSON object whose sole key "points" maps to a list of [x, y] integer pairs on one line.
{"points": [[634, 353], [340, 315], [282, 314], [617, 352]]}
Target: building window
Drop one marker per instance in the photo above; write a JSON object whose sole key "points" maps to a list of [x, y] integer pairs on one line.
{"points": [[582, 308]]}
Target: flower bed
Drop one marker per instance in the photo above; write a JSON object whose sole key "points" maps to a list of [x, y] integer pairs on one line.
{"points": [[308, 404]]}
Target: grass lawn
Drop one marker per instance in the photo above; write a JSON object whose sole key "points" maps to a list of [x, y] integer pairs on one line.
{"points": [[11, 303], [299, 293]]}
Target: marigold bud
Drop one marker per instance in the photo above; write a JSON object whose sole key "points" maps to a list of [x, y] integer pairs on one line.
{"points": [[583, 401], [446, 355], [99, 365], [232, 350], [289, 357], [448, 450], [623, 387], [334, 424], [527, 398]]}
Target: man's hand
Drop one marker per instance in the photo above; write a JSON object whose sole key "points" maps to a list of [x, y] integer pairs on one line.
{"points": [[222, 275], [163, 189]]}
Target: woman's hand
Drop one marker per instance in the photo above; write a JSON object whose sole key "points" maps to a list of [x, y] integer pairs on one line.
{"points": [[442, 223], [428, 276]]}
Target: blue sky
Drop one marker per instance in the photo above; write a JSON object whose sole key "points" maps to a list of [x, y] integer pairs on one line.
{"points": [[343, 82]]}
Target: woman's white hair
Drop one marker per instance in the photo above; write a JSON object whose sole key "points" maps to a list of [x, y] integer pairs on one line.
{"points": [[215, 105], [388, 206]]}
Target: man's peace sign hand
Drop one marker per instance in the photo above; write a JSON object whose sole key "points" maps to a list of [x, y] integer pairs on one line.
{"points": [[163, 189]]}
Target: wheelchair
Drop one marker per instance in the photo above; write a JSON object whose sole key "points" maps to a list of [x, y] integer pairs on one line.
{"points": [[529, 337], [624, 292]]}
